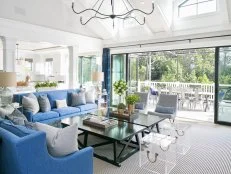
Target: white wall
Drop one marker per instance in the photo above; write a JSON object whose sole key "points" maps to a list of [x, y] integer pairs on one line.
{"points": [[33, 33], [60, 63], [1, 54]]}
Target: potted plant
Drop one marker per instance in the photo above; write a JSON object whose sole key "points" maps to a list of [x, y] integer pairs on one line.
{"points": [[131, 100], [43, 86], [119, 88], [121, 107]]}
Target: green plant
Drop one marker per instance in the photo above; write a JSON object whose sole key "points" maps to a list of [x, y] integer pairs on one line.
{"points": [[146, 88], [121, 106], [45, 84], [132, 99], [120, 87]]}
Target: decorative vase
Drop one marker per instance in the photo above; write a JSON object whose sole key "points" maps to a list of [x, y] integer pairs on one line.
{"points": [[130, 109]]}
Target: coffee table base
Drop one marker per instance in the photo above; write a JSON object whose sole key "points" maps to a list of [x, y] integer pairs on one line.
{"points": [[117, 159]]}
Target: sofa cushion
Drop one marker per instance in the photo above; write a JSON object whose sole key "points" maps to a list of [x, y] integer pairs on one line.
{"points": [[90, 95], [17, 117], [61, 103], [44, 103], [40, 116], [139, 106], [66, 110], [30, 104], [87, 107], [7, 110], [60, 142], [56, 95], [18, 130], [165, 110], [78, 99]]}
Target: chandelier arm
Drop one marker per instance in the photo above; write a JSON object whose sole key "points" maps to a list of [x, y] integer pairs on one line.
{"points": [[120, 15], [88, 9], [124, 18], [93, 17]]}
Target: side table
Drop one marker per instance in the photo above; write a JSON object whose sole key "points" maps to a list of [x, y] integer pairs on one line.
{"points": [[181, 131], [157, 153]]}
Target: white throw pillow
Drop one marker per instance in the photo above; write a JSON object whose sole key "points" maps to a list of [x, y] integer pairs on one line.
{"points": [[90, 96], [30, 104], [61, 103], [60, 142]]}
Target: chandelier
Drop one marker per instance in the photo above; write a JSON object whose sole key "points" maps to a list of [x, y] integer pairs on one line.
{"points": [[128, 14]]}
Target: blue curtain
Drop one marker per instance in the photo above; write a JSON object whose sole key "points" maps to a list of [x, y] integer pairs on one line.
{"points": [[106, 67]]}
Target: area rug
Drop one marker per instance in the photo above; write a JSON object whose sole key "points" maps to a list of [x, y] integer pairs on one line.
{"points": [[210, 153]]}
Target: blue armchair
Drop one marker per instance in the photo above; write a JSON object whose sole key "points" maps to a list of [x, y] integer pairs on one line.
{"points": [[29, 155]]}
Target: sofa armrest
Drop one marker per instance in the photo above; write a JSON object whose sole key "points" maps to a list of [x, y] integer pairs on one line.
{"points": [[29, 115], [33, 148], [79, 162]]}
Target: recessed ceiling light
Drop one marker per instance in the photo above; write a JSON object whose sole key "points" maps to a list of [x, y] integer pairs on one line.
{"points": [[142, 2]]}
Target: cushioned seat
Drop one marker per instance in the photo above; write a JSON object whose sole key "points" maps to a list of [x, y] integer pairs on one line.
{"points": [[66, 110], [87, 107], [40, 116]]}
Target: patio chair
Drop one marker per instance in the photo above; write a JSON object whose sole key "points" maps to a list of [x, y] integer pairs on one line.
{"points": [[143, 103], [153, 95], [196, 99], [166, 106]]}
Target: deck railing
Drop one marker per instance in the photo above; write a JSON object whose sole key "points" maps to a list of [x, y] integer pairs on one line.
{"points": [[207, 89]]}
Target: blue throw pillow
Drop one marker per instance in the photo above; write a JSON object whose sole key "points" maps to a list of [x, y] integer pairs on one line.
{"points": [[165, 110], [18, 130], [139, 106], [44, 103]]}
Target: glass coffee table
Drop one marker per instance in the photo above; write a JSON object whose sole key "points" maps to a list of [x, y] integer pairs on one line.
{"points": [[121, 134], [147, 120]]}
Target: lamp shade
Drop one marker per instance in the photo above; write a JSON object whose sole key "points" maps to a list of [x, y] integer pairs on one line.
{"points": [[98, 76], [7, 79]]}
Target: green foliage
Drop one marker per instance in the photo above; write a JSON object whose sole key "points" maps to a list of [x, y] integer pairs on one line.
{"points": [[46, 84], [132, 99], [121, 106], [145, 88], [120, 87]]}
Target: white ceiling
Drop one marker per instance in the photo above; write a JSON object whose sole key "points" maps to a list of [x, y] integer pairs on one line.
{"points": [[163, 23]]}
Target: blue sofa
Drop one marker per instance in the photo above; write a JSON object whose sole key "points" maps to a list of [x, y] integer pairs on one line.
{"points": [[56, 114], [24, 151]]}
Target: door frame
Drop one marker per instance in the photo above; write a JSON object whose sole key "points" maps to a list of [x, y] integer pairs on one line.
{"points": [[216, 104]]}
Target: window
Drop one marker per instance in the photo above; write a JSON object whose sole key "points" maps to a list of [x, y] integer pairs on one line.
{"points": [[87, 65], [49, 67], [196, 7], [29, 64]]}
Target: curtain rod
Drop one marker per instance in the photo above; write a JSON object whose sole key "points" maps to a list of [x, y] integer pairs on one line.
{"points": [[171, 41]]}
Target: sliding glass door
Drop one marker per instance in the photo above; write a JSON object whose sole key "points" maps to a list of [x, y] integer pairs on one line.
{"points": [[223, 85], [118, 72]]}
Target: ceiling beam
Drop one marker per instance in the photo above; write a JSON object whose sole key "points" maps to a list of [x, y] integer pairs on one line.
{"points": [[167, 25]]}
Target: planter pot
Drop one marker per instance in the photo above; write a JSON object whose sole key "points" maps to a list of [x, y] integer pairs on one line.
{"points": [[130, 109], [121, 111], [45, 89]]}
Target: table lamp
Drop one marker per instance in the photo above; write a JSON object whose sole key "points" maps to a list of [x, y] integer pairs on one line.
{"points": [[98, 77], [7, 79]]}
